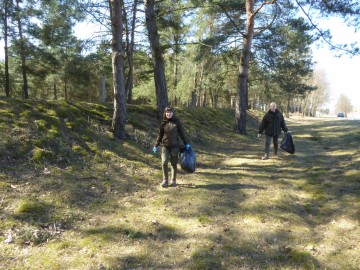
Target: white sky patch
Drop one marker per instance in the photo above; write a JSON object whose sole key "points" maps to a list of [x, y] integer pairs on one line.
{"points": [[341, 73]]}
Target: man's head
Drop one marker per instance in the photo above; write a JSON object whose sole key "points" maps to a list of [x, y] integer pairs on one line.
{"points": [[273, 106]]}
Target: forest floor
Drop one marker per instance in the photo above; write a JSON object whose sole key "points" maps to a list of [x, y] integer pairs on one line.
{"points": [[73, 197]]}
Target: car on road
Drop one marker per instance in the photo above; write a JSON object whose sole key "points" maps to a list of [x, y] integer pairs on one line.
{"points": [[340, 114]]}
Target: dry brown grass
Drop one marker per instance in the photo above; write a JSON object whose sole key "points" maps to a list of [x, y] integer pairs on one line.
{"points": [[235, 212]]}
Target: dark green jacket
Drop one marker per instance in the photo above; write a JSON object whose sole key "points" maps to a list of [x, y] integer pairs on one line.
{"points": [[169, 133], [272, 123]]}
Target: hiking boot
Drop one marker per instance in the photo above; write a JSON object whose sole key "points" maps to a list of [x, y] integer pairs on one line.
{"points": [[173, 183], [164, 183], [265, 157]]}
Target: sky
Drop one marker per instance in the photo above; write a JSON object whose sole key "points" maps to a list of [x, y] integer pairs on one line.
{"points": [[342, 73], [343, 76]]}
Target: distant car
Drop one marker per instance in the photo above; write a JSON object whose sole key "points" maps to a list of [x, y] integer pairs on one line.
{"points": [[340, 114]]}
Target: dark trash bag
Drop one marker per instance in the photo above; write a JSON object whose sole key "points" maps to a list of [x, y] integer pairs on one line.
{"points": [[187, 160], [287, 143]]}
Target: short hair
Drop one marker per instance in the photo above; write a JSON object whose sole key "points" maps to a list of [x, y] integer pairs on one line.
{"points": [[273, 103]]}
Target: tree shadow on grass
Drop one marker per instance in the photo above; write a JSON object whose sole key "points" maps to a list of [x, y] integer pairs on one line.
{"points": [[223, 253], [159, 232], [222, 186], [268, 250], [138, 262], [324, 161]]}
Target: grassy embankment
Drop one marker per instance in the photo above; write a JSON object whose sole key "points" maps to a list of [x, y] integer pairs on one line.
{"points": [[73, 197]]}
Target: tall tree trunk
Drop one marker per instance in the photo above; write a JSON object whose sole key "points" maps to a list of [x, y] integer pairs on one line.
{"points": [[22, 53], [119, 115], [175, 74], [102, 89], [287, 114], [177, 50], [241, 100], [6, 51], [193, 93], [55, 90], [193, 99], [304, 105], [242, 95], [65, 90], [158, 61], [216, 101], [130, 54], [200, 85], [204, 100]]}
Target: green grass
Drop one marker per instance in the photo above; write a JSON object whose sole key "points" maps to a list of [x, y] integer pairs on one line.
{"points": [[74, 197]]}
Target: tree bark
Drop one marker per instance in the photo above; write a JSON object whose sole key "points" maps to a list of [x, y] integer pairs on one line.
{"points": [[175, 74], [22, 53], [241, 100], [119, 115], [177, 50], [55, 91], [102, 89], [130, 54], [204, 99], [287, 113], [200, 85], [216, 101], [242, 93], [158, 61], [193, 93], [6, 51], [66, 97], [193, 99]]}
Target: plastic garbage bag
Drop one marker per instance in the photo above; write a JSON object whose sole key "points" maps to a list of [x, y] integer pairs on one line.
{"points": [[188, 160], [287, 143]]}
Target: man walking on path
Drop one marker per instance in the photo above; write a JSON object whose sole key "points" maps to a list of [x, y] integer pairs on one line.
{"points": [[272, 123]]}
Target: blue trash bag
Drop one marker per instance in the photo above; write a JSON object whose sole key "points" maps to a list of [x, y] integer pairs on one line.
{"points": [[287, 143], [187, 160]]}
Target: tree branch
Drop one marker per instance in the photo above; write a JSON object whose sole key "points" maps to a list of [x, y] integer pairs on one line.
{"points": [[321, 32]]}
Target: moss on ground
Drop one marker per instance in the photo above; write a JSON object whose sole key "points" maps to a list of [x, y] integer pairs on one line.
{"points": [[74, 197]]}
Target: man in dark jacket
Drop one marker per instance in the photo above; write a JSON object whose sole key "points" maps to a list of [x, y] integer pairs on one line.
{"points": [[272, 123]]}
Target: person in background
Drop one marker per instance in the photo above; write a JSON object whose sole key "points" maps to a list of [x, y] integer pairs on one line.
{"points": [[169, 133], [272, 123]]}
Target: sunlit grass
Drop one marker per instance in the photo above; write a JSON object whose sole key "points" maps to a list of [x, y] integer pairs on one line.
{"points": [[96, 203]]}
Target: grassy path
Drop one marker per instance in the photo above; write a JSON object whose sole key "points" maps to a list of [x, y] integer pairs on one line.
{"points": [[300, 211]]}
